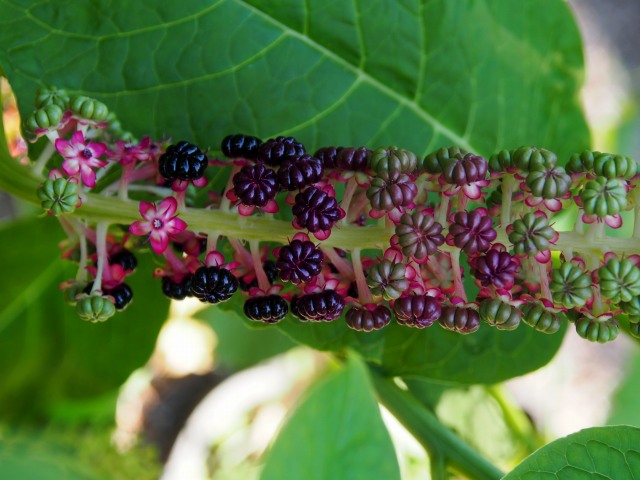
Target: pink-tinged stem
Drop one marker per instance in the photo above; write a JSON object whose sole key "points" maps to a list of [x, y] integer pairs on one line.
{"points": [[443, 210], [263, 281], [127, 170], [544, 282], [174, 262], [341, 264], [180, 198], [212, 241], [364, 294], [244, 256], [462, 201], [358, 205], [350, 189], [101, 250], [457, 274], [225, 203]]}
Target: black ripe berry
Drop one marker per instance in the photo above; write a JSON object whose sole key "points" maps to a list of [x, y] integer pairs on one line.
{"points": [[299, 261], [177, 290], [298, 173], [125, 259], [267, 309], [328, 156], [276, 150], [213, 284], [255, 185], [324, 306], [315, 210], [122, 294], [239, 145], [182, 161]]}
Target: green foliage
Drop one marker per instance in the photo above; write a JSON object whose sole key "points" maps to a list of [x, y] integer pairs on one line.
{"points": [[337, 433], [603, 452]]}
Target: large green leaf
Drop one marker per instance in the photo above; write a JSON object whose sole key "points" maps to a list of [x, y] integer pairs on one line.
{"points": [[481, 74], [602, 453], [336, 433], [50, 356]]}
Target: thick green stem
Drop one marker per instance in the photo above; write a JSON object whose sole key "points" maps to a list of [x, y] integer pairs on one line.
{"points": [[431, 434]]}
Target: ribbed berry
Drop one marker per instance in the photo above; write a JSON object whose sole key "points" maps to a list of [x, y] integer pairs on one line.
{"points": [[182, 161], [299, 261], [316, 210], [213, 284], [363, 319], [299, 172], [324, 306], [390, 190], [328, 156], [125, 259], [270, 270], [387, 279], [419, 235], [549, 182], [122, 294], [472, 231], [386, 159], [267, 309], [355, 159], [532, 158], [177, 290], [276, 150], [255, 185], [239, 145], [537, 316], [570, 285], [435, 161], [499, 314], [496, 268], [596, 329], [464, 170], [531, 234], [459, 319], [418, 311]]}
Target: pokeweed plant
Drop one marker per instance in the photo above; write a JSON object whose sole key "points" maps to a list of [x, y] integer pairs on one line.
{"points": [[422, 164]]}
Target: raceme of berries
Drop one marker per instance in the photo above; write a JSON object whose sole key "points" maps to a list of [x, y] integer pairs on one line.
{"points": [[299, 262], [267, 309], [409, 234]]}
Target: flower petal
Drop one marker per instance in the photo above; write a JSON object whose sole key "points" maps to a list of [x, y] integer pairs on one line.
{"points": [[167, 208], [159, 241], [175, 225], [147, 210], [140, 228]]}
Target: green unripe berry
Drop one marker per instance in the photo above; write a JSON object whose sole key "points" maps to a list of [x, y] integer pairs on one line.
{"points": [[596, 330], [71, 293], [604, 197], [499, 314], [385, 159], [570, 285], [614, 166], [95, 308], [537, 316], [532, 158], [48, 117], [89, 108], [435, 161], [501, 161], [631, 307], [58, 196], [52, 96], [531, 234], [619, 280], [548, 183], [387, 279], [583, 162]]}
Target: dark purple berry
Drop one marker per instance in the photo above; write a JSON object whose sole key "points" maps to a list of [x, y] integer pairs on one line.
{"points": [[472, 231], [255, 185], [182, 161], [355, 159], [245, 146], [299, 261], [363, 319], [122, 294], [267, 309], [125, 259], [390, 190], [324, 306], [459, 319], [177, 290], [328, 156], [270, 270], [464, 170], [297, 173], [417, 310], [495, 268], [276, 150], [315, 210], [213, 284]]}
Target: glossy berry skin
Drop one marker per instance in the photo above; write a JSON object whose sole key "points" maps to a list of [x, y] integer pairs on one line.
{"points": [[324, 306], [417, 311], [386, 159], [177, 291], [244, 146], [499, 314], [387, 279], [603, 196], [182, 161], [459, 319], [570, 286], [390, 190], [354, 159], [496, 268], [328, 156], [419, 235], [538, 317], [531, 234], [472, 232], [315, 210], [532, 158], [95, 308], [122, 294], [363, 319], [596, 330], [551, 182], [435, 161], [300, 172], [276, 150], [464, 170], [255, 185], [619, 280], [267, 309], [125, 259], [213, 284], [270, 270], [299, 261]]}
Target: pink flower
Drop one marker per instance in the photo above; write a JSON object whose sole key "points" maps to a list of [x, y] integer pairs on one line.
{"points": [[127, 153], [81, 156], [160, 222]]}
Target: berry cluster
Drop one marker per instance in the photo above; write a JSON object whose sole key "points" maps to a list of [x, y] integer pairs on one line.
{"points": [[429, 218]]}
